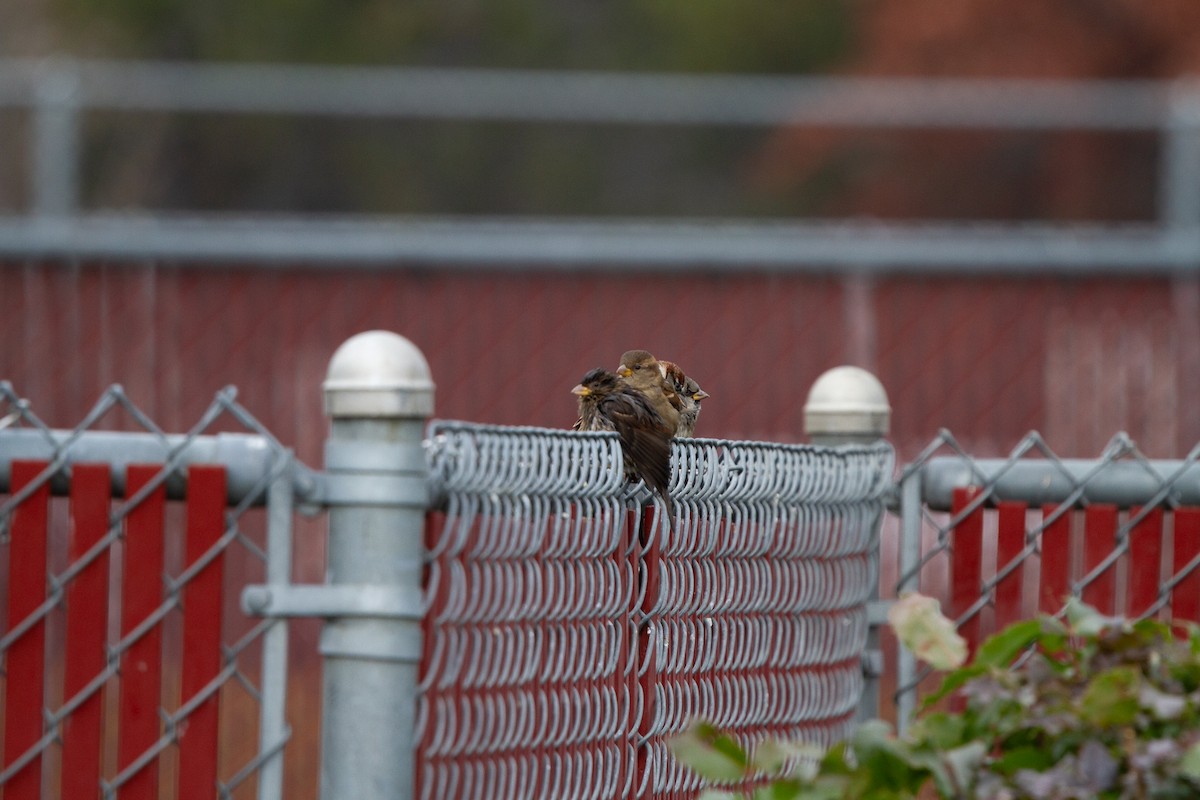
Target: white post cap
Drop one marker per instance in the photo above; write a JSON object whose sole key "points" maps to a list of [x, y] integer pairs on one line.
{"points": [[378, 374], [846, 405]]}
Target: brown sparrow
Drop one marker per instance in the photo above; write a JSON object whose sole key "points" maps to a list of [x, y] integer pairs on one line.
{"points": [[643, 372], [690, 394], [606, 403]]}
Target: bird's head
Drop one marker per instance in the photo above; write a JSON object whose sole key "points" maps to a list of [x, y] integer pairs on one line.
{"points": [[597, 381], [684, 385], [634, 362]]}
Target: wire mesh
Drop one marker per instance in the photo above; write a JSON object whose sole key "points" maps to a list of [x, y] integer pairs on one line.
{"points": [[1002, 539], [572, 628], [159, 667]]}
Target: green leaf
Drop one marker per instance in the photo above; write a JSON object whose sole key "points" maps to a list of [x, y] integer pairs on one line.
{"points": [[954, 681], [782, 789], [1189, 764], [834, 762], [825, 788], [1055, 644], [716, 794], [888, 763], [1038, 759], [1000, 650], [709, 753], [939, 730], [1111, 699]]}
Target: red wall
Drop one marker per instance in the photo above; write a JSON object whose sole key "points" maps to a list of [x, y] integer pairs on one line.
{"points": [[988, 358]]}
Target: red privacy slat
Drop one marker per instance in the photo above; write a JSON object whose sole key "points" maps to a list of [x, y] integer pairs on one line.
{"points": [[966, 563], [141, 664], [1010, 541], [87, 626], [26, 591], [1056, 560], [1145, 559], [201, 633], [1185, 598], [1099, 540]]}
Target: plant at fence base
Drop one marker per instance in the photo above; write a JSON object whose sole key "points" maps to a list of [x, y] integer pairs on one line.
{"points": [[1096, 707]]}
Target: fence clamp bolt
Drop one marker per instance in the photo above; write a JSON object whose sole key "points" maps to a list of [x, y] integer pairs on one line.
{"points": [[319, 600]]}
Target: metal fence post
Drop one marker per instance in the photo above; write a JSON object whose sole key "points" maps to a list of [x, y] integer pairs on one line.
{"points": [[1179, 167], [379, 394], [54, 178], [910, 561], [848, 405], [1179, 214]]}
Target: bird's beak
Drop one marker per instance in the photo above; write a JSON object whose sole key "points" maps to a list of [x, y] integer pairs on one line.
{"points": [[700, 395], [581, 390], [624, 372]]}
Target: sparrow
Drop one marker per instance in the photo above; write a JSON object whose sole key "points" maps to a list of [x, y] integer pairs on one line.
{"points": [[690, 395], [606, 403], [644, 373]]}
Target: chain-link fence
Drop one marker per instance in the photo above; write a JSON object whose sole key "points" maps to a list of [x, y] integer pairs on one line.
{"points": [[127, 665], [569, 633], [1002, 539], [568, 628]]}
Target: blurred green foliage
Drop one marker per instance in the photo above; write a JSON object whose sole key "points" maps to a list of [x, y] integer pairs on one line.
{"points": [[252, 162], [1098, 707], [671, 35]]}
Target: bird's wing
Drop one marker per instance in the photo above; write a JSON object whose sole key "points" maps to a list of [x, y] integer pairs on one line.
{"points": [[643, 438]]}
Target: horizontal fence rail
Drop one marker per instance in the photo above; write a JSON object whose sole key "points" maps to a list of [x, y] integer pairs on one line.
{"points": [[607, 97], [248, 458], [58, 94], [1070, 480], [1000, 540], [565, 245]]}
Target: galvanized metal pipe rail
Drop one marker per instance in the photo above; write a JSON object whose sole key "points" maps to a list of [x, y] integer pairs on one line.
{"points": [[247, 458], [593, 97], [1038, 482], [634, 245]]}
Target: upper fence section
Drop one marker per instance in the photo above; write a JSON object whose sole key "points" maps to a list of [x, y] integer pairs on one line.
{"points": [[58, 95], [569, 632]]}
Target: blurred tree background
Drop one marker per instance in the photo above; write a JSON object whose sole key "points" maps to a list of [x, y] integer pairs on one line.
{"points": [[260, 163]]}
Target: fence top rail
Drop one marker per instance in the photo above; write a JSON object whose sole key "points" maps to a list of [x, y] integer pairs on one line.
{"points": [[596, 97], [569, 245], [1124, 483], [250, 460], [501, 460]]}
